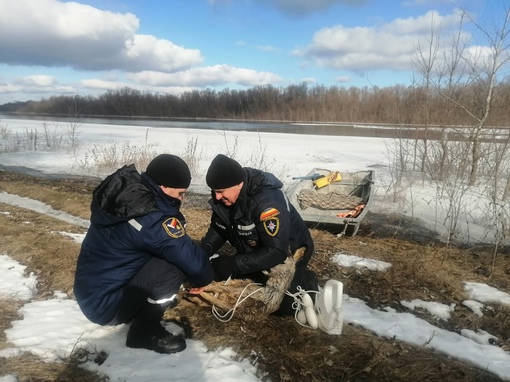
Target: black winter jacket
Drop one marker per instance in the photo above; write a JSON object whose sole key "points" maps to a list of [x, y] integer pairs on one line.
{"points": [[262, 225], [131, 221]]}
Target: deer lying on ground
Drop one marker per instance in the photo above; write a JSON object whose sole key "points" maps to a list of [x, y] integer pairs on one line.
{"points": [[250, 300]]}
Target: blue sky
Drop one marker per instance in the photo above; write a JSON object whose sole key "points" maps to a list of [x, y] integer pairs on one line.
{"points": [[50, 47]]}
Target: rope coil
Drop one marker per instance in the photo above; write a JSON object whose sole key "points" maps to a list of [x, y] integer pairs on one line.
{"points": [[230, 313]]}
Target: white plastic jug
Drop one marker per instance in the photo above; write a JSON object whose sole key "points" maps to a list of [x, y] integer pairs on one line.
{"points": [[329, 307]]}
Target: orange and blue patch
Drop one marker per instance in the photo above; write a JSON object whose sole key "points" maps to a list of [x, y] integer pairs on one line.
{"points": [[174, 228], [270, 220], [269, 213]]}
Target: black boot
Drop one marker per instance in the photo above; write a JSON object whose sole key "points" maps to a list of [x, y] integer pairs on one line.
{"points": [[146, 332], [307, 280], [311, 283], [311, 280]]}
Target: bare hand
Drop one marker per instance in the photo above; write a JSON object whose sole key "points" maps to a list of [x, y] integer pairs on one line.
{"points": [[196, 290]]}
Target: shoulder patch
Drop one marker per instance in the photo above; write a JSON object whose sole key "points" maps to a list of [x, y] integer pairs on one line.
{"points": [[269, 213], [272, 225], [270, 220], [174, 228]]}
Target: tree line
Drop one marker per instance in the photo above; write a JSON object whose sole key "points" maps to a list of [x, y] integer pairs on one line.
{"points": [[393, 105]]}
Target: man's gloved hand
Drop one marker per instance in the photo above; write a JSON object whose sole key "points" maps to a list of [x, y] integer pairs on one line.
{"points": [[224, 267], [207, 248]]}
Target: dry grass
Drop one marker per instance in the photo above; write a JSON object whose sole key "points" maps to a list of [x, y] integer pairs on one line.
{"points": [[283, 350]]}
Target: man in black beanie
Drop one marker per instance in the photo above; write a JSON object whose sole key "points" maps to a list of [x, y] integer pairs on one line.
{"points": [[136, 254], [251, 212]]}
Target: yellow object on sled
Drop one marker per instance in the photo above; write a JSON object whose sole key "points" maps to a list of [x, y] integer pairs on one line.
{"points": [[326, 180]]}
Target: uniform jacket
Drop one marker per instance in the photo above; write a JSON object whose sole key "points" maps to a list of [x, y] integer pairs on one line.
{"points": [[262, 225], [131, 221]]}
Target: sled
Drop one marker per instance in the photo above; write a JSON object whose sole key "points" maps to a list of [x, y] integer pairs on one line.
{"points": [[333, 198]]}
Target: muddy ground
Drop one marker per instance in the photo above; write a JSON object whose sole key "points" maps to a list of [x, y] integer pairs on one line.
{"points": [[422, 268]]}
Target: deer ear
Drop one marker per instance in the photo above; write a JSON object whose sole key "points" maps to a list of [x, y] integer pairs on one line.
{"points": [[299, 253]]}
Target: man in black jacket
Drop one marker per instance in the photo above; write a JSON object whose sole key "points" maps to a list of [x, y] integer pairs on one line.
{"points": [[136, 253], [251, 212]]}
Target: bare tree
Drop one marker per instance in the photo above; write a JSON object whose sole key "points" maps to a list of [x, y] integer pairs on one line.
{"points": [[480, 71], [425, 62]]}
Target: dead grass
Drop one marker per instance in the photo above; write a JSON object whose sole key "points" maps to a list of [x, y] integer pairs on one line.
{"points": [[28, 368], [67, 194], [282, 350]]}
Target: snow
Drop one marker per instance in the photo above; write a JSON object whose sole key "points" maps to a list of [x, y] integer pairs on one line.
{"points": [[13, 284], [55, 328], [486, 293], [436, 309], [348, 261]]}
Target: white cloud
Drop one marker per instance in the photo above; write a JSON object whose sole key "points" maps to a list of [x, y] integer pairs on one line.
{"points": [[204, 76], [96, 83], [10, 88], [35, 84], [53, 33], [343, 79], [147, 52], [388, 46], [101, 85], [36, 80]]}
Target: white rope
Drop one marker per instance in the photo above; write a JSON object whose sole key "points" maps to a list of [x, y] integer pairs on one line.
{"points": [[297, 305], [240, 300]]}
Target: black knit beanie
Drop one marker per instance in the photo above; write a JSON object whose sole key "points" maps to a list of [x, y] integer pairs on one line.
{"points": [[224, 172], [170, 171]]}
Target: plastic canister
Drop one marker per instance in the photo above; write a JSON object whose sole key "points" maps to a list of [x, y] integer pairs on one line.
{"points": [[329, 307]]}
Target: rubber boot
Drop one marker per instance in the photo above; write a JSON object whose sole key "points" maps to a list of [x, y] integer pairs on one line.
{"points": [[311, 283], [307, 280], [146, 332]]}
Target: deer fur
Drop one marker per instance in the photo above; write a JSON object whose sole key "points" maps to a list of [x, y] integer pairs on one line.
{"points": [[263, 299]]}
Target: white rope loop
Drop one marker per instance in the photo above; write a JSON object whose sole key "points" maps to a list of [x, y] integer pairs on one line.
{"points": [[298, 304], [240, 300]]}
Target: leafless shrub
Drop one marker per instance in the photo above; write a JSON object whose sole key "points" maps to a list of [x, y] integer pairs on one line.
{"points": [[4, 132], [73, 134], [259, 158], [52, 137], [192, 156], [231, 149], [400, 156], [104, 159]]}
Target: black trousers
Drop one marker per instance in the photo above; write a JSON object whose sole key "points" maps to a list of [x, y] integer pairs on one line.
{"points": [[157, 280]]}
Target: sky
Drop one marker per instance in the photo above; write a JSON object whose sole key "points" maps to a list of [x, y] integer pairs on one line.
{"points": [[40, 330], [50, 48]]}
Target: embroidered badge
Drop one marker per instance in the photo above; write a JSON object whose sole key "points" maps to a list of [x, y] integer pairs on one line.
{"points": [[269, 217], [271, 226], [174, 228]]}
